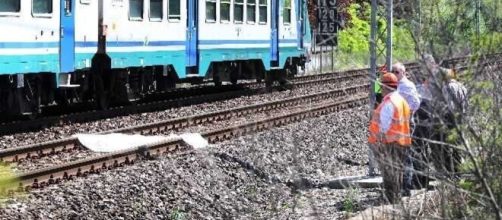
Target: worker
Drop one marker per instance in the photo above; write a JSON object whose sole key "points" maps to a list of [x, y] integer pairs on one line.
{"points": [[408, 91], [421, 133], [378, 90], [446, 106], [378, 99], [390, 136], [446, 158], [406, 87]]}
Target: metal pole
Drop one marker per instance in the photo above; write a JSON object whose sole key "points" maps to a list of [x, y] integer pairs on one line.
{"points": [[373, 67], [101, 29], [332, 58], [320, 35], [389, 34], [478, 12], [320, 56], [419, 33], [314, 51]]}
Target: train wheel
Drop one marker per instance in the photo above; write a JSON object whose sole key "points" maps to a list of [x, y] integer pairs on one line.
{"points": [[217, 80], [101, 95], [28, 97], [235, 72], [269, 79], [233, 79], [291, 71], [282, 78], [216, 74], [171, 79]]}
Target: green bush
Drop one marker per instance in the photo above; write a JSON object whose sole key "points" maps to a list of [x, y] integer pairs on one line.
{"points": [[353, 47]]}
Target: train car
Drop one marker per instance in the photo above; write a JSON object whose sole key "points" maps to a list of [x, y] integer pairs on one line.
{"points": [[118, 50]]}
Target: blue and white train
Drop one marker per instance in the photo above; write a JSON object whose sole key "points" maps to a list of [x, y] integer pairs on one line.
{"points": [[114, 50]]}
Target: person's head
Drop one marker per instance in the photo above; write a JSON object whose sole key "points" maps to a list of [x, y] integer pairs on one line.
{"points": [[447, 74], [389, 83], [399, 70]]}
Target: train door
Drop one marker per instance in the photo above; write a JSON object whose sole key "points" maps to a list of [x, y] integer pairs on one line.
{"points": [[299, 23], [67, 36], [274, 22], [192, 34]]}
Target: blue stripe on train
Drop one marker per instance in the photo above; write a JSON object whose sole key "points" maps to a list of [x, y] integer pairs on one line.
{"points": [[32, 45], [50, 62], [28, 45]]}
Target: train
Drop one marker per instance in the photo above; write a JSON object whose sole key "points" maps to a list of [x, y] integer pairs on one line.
{"points": [[106, 51]]}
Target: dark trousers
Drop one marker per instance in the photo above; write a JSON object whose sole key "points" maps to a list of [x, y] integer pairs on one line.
{"points": [[445, 158], [378, 99], [417, 160], [390, 159]]}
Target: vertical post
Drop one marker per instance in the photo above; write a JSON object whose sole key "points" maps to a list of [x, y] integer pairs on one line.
{"points": [[389, 34], [478, 10], [320, 59], [101, 29], [313, 49], [320, 35], [332, 58], [419, 29], [373, 67]]}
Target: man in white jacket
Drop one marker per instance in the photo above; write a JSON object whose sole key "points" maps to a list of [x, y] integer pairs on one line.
{"points": [[408, 91]]}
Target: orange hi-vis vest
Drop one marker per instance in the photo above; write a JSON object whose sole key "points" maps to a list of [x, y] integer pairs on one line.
{"points": [[399, 131]]}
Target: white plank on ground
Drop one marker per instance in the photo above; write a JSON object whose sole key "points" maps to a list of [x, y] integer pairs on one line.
{"points": [[106, 143]]}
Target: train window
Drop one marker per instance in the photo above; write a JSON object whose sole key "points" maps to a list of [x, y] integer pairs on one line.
{"points": [[41, 7], [136, 10], [173, 10], [210, 10], [10, 6], [225, 10], [155, 10], [251, 11], [262, 6], [238, 11], [286, 17]]}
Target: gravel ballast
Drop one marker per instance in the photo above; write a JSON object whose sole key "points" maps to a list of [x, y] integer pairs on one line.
{"points": [[246, 178], [83, 153]]}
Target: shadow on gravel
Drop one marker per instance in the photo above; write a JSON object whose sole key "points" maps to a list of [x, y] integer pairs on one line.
{"points": [[300, 184]]}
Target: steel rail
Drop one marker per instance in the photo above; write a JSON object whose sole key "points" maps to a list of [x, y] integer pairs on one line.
{"points": [[52, 147]]}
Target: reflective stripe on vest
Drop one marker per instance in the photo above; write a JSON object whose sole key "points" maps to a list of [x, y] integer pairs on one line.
{"points": [[399, 130]]}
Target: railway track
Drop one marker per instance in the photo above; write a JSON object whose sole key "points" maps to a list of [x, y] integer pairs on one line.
{"points": [[41, 177], [53, 147]]}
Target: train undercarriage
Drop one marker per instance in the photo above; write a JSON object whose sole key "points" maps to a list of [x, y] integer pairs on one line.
{"points": [[26, 94]]}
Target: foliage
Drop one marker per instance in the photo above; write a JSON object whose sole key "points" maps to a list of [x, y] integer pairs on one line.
{"points": [[177, 214], [350, 202], [489, 42], [8, 179], [461, 30], [355, 38], [353, 47]]}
